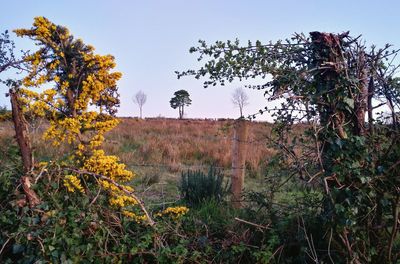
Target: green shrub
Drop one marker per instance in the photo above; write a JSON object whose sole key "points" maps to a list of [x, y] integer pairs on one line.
{"points": [[196, 186]]}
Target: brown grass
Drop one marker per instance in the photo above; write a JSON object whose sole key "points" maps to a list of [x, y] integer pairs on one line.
{"points": [[157, 150], [169, 143], [174, 143]]}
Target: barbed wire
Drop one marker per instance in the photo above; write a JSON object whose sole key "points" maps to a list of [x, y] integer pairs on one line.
{"points": [[180, 166]]}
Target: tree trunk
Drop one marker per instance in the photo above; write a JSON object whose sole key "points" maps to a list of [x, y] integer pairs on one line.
{"points": [[180, 111], [238, 161], [71, 102], [360, 100], [22, 136], [21, 132], [371, 91]]}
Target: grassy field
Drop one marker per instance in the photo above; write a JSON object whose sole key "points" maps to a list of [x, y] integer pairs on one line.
{"points": [[281, 212], [159, 149]]}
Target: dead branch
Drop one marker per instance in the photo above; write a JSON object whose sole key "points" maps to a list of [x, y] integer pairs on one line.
{"points": [[252, 224]]}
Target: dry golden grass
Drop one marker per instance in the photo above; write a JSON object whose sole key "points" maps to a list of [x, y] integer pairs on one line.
{"points": [[157, 150], [165, 142], [174, 143]]}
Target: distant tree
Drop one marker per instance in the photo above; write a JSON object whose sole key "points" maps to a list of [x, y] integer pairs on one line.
{"points": [[140, 99], [180, 99], [240, 99]]}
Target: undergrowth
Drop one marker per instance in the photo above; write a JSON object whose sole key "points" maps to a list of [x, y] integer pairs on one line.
{"points": [[83, 229]]}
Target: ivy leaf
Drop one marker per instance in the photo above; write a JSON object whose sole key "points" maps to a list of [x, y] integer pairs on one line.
{"points": [[339, 142], [17, 248]]}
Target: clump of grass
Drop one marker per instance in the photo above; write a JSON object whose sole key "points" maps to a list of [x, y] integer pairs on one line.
{"points": [[150, 178], [197, 187]]}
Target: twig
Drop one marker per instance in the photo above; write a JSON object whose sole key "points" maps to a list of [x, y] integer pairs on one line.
{"points": [[313, 253], [329, 247], [394, 166], [394, 228], [141, 204], [315, 175], [40, 174], [250, 223], [4, 245], [163, 203], [280, 248], [95, 198], [41, 244]]}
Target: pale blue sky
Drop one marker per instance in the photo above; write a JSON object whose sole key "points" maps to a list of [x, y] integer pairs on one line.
{"points": [[150, 39]]}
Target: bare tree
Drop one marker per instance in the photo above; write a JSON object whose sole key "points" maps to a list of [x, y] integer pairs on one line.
{"points": [[240, 99], [140, 99]]}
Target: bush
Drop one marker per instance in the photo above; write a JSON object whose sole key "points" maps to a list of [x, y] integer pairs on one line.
{"points": [[196, 186], [5, 114]]}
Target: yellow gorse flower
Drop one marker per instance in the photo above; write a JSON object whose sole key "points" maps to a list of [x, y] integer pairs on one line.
{"points": [[135, 217], [72, 183], [108, 166], [80, 103], [174, 212]]}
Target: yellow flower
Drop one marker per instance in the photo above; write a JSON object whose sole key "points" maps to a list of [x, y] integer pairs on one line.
{"points": [[72, 183], [81, 105], [174, 212], [42, 164], [122, 200], [108, 166], [135, 217]]}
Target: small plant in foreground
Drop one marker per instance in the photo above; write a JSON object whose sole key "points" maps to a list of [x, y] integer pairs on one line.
{"points": [[196, 186]]}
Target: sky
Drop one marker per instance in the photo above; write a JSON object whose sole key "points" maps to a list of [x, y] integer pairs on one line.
{"points": [[151, 39]]}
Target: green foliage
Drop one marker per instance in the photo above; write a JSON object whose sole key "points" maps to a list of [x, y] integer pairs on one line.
{"points": [[197, 187], [69, 228], [292, 212], [10, 166], [333, 83], [7, 58], [63, 228]]}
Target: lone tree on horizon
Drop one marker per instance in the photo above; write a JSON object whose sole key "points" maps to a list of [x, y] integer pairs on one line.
{"points": [[180, 99], [240, 99], [140, 99]]}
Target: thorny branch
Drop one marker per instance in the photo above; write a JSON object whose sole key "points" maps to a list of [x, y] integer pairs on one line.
{"points": [[119, 186]]}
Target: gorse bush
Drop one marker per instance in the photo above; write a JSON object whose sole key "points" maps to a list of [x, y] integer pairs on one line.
{"points": [[71, 228], [5, 114], [80, 107], [64, 209], [196, 186]]}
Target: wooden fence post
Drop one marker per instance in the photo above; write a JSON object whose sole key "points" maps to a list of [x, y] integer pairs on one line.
{"points": [[238, 161]]}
